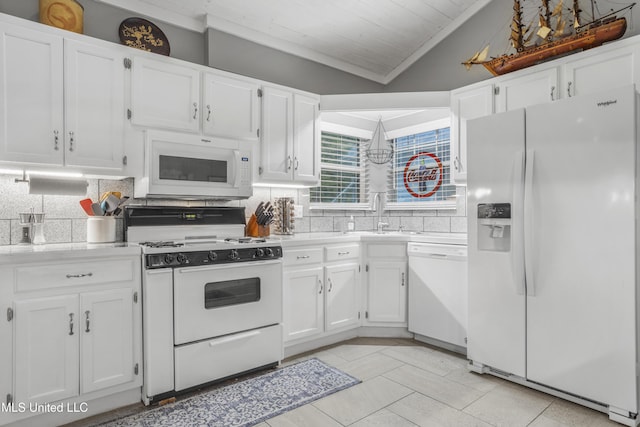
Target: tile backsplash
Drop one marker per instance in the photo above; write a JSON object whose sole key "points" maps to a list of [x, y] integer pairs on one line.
{"points": [[66, 222]]}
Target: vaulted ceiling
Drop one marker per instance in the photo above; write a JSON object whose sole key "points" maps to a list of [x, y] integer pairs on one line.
{"points": [[374, 39]]}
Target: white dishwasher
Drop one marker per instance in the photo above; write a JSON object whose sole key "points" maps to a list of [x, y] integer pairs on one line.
{"points": [[438, 292]]}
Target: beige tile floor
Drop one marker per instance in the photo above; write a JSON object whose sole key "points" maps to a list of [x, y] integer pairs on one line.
{"points": [[406, 383]]}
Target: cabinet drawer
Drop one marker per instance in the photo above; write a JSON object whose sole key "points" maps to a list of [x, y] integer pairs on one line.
{"points": [[338, 253], [94, 272], [387, 251], [302, 256]]}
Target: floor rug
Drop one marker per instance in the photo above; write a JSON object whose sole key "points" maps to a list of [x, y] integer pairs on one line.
{"points": [[248, 402]]}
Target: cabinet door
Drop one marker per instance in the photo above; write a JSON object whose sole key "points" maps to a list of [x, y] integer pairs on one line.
{"points": [[277, 135], [31, 89], [106, 328], [94, 106], [165, 95], [303, 303], [306, 139], [230, 107], [387, 292], [597, 72], [46, 345], [466, 104], [531, 89], [342, 296]]}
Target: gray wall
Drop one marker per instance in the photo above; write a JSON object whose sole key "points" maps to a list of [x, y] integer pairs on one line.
{"points": [[102, 21], [240, 56]]}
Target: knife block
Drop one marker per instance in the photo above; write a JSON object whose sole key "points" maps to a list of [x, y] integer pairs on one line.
{"points": [[254, 230]]}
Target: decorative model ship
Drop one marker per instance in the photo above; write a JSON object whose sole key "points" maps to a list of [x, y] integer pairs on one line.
{"points": [[551, 37]]}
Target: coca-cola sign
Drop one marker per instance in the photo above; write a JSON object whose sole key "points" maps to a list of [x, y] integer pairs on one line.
{"points": [[423, 175]]}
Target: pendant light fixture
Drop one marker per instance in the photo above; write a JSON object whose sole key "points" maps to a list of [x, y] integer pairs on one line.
{"points": [[379, 151]]}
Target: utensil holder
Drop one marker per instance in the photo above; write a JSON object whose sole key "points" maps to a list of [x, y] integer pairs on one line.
{"points": [[101, 229]]}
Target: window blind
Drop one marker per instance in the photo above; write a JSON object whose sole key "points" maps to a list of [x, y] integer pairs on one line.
{"points": [[341, 172]]}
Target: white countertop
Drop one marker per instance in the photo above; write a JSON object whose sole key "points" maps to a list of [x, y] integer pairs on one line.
{"points": [[301, 239], [57, 251]]}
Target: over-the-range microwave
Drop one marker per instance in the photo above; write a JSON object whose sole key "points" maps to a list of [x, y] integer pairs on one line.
{"points": [[184, 166]]}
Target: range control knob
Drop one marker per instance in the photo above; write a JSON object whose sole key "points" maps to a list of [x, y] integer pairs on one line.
{"points": [[234, 255], [212, 256], [269, 251], [168, 259], [259, 253], [182, 258]]}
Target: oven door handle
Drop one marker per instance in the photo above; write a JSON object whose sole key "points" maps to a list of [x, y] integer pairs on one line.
{"points": [[228, 265], [232, 338]]}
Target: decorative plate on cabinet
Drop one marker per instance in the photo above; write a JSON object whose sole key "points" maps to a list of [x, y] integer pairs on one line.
{"points": [[144, 35]]}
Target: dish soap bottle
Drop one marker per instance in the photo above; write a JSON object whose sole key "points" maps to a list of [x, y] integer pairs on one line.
{"points": [[351, 224]]}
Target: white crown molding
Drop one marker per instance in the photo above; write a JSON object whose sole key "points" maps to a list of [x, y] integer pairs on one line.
{"points": [[432, 42], [201, 24], [155, 12]]}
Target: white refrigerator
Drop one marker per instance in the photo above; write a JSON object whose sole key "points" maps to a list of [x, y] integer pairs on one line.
{"points": [[552, 207]]}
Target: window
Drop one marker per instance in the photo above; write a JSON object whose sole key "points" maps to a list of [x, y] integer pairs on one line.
{"points": [[341, 170], [421, 169]]}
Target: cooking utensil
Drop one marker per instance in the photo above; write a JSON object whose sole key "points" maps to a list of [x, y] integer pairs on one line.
{"points": [[111, 203], [109, 193], [86, 206], [97, 209]]}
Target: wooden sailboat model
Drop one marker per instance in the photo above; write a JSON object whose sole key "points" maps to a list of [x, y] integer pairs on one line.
{"points": [[551, 36]]}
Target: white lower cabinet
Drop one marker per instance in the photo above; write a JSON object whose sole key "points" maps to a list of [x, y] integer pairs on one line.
{"points": [[386, 297], [303, 302], [321, 293], [75, 327]]}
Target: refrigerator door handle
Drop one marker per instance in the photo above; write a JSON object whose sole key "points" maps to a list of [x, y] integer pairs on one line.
{"points": [[529, 233], [517, 231]]}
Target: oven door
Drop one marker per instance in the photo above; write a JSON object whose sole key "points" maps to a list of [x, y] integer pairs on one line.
{"points": [[218, 300]]}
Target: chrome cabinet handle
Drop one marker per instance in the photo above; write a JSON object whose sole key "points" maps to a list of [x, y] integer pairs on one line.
{"points": [[195, 110], [70, 323], [330, 284], [290, 162], [302, 257], [402, 279], [344, 253], [55, 140], [297, 164], [86, 313], [77, 276], [456, 164], [553, 89], [208, 113], [569, 89], [70, 141], [321, 286]]}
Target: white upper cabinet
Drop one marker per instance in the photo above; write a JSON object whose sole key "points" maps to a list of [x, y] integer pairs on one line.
{"points": [[63, 102], [231, 107], [165, 95], [467, 103], [290, 137], [94, 105], [306, 137], [523, 91], [31, 89], [602, 68]]}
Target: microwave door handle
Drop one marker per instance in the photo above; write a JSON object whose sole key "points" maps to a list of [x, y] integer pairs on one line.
{"points": [[236, 168]]}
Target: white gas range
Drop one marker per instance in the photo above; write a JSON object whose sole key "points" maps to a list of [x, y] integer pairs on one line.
{"points": [[212, 299]]}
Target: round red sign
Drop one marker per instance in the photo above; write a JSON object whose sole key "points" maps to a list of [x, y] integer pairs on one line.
{"points": [[423, 175]]}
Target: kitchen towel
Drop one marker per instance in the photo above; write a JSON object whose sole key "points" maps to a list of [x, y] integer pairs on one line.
{"points": [[58, 186]]}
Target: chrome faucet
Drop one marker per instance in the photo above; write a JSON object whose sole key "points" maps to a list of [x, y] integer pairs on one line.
{"points": [[377, 205]]}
